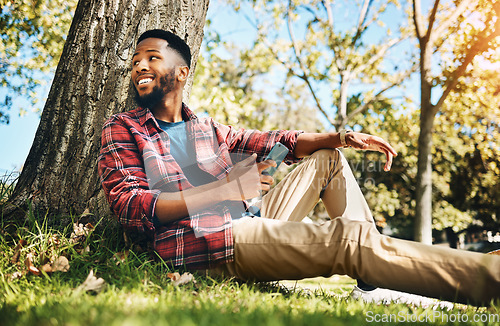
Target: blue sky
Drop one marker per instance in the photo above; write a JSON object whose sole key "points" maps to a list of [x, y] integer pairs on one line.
{"points": [[17, 138]]}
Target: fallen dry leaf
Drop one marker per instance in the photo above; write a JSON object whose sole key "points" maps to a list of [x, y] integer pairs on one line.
{"points": [[33, 270], [178, 279], [17, 251], [92, 284], [29, 264], [86, 212], [61, 264], [82, 250], [47, 268], [173, 276], [54, 240], [80, 232]]}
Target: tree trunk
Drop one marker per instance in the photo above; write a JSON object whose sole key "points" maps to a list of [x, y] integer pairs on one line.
{"points": [[423, 209], [342, 102], [92, 82]]}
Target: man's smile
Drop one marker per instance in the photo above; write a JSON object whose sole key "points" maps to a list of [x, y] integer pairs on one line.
{"points": [[144, 79]]}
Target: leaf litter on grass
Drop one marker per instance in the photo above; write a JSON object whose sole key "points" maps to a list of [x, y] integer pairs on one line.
{"points": [[44, 253]]}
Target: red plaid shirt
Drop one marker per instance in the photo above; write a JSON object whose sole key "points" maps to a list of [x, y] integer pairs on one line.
{"points": [[133, 143]]}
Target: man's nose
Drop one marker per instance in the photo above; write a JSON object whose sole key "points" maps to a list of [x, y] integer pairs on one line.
{"points": [[143, 65]]}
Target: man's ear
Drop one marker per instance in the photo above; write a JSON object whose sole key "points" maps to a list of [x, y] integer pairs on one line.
{"points": [[183, 73]]}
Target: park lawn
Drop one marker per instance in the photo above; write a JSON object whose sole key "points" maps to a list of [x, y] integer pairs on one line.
{"points": [[139, 291]]}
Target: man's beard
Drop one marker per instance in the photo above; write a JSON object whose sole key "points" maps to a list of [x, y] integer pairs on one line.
{"points": [[167, 83]]}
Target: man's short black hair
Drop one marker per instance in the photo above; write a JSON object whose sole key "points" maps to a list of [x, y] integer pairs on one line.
{"points": [[174, 42]]}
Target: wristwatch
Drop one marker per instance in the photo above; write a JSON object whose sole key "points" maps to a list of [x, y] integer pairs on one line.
{"points": [[342, 137]]}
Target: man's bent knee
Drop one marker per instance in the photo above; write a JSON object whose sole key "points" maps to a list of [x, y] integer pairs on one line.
{"points": [[326, 154], [327, 162]]}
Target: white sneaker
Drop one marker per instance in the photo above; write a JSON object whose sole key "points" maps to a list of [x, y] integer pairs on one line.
{"points": [[386, 296]]}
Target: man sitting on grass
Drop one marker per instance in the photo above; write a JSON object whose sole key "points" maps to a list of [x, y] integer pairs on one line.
{"points": [[185, 183]]}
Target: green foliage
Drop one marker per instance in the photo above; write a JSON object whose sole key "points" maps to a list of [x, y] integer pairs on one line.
{"points": [[465, 178], [470, 125], [445, 215], [465, 37], [451, 36], [33, 35]]}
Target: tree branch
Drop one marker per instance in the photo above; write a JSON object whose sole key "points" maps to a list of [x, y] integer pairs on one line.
{"points": [[432, 19], [327, 5], [383, 50], [316, 100], [361, 21], [417, 20]]}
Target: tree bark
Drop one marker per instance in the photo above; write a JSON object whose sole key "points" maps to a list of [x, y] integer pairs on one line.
{"points": [[91, 83], [423, 190], [423, 209]]}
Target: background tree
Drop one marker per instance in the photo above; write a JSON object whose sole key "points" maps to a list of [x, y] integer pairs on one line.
{"points": [[444, 20], [33, 34], [92, 82]]}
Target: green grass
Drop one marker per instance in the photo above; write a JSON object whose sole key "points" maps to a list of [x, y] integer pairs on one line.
{"points": [[139, 291], [7, 182]]}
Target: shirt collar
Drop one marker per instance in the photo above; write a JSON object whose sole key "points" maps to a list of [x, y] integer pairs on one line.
{"points": [[144, 114]]}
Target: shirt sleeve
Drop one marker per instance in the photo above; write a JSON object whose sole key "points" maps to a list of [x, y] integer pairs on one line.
{"points": [[123, 177], [247, 142]]}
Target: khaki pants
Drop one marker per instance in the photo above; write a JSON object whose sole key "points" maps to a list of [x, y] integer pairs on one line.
{"points": [[278, 246]]}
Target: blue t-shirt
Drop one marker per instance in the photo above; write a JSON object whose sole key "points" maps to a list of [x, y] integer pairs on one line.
{"points": [[184, 153]]}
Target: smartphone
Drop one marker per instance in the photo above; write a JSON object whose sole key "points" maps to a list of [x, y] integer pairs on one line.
{"points": [[277, 154]]}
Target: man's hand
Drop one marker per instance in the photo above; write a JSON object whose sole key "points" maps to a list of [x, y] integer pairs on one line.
{"points": [[246, 179], [362, 141], [266, 180]]}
